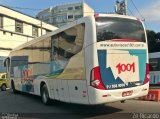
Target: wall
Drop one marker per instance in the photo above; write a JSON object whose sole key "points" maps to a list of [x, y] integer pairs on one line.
{"points": [[10, 39]]}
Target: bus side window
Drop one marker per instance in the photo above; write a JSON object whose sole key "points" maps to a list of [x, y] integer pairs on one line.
{"points": [[64, 46], [71, 41], [67, 43], [54, 49], [80, 37]]}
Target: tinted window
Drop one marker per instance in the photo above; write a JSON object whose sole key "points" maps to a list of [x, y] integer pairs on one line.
{"points": [[78, 7], [78, 16], [70, 8], [67, 58], [119, 28], [154, 64], [70, 16], [67, 43]]}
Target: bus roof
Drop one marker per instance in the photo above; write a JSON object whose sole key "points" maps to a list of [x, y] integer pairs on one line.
{"points": [[82, 20], [116, 15], [35, 40]]}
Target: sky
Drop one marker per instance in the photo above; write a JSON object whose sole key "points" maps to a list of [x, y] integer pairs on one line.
{"points": [[147, 9]]}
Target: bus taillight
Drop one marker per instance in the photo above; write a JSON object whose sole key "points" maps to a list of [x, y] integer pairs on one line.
{"points": [[96, 15], [146, 80], [95, 79]]}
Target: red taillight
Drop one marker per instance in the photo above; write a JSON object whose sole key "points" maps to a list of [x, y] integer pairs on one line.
{"points": [[96, 15], [95, 79], [146, 80]]}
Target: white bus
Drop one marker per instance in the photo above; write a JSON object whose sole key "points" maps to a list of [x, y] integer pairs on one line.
{"points": [[154, 63], [94, 60]]}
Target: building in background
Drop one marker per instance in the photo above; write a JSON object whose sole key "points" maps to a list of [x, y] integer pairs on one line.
{"points": [[17, 28], [62, 14]]}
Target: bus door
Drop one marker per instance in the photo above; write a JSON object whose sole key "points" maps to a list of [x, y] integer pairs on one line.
{"points": [[19, 66]]}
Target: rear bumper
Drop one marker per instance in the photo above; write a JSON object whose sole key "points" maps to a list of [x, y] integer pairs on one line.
{"points": [[105, 96]]}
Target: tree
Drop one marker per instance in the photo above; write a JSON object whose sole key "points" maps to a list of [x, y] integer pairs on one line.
{"points": [[158, 42], [158, 36], [151, 36]]}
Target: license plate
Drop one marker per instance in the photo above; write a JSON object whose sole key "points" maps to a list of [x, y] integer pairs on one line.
{"points": [[127, 93]]}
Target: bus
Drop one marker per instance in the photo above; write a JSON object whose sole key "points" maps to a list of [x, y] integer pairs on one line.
{"points": [[94, 60], [154, 63]]}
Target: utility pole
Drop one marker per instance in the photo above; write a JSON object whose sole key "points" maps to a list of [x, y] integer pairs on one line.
{"points": [[118, 8], [121, 7], [126, 7]]}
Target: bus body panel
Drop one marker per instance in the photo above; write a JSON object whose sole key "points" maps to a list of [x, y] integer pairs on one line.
{"points": [[51, 89], [95, 95], [55, 93], [89, 30], [105, 96], [65, 88], [71, 91], [18, 85], [60, 90], [122, 67], [78, 91]]}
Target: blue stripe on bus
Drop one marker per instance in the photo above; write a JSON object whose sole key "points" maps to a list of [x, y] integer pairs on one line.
{"points": [[107, 74]]}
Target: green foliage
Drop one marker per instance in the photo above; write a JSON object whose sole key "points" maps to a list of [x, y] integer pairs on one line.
{"points": [[153, 41], [158, 36]]}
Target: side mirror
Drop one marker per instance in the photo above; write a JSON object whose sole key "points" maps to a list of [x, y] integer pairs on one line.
{"points": [[7, 62]]}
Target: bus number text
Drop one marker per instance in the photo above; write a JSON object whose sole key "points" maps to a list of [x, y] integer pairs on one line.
{"points": [[125, 67]]}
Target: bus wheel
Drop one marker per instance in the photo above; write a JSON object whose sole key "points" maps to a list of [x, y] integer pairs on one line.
{"points": [[3, 87], [13, 87], [45, 95]]}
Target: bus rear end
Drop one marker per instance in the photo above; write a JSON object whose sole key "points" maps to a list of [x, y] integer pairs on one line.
{"points": [[121, 69]]}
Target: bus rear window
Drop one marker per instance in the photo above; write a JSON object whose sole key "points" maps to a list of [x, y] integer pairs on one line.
{"points": [[109, 28]]}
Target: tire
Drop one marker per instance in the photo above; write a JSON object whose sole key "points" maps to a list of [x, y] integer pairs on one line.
{"points": [[3, 87], [13, 87], [45, 95]]}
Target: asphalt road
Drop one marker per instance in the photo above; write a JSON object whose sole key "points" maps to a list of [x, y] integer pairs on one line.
{"points": [[24, 106]]}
